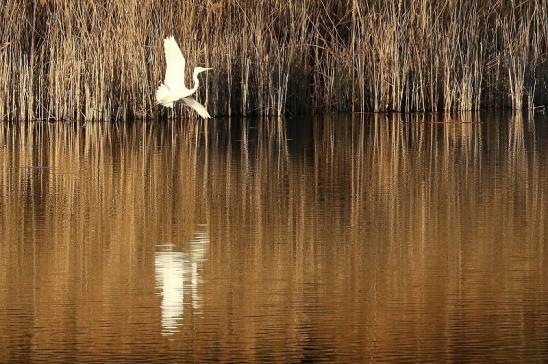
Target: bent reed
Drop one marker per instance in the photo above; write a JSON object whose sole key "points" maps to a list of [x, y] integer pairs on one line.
{"points": [[102, 59]]}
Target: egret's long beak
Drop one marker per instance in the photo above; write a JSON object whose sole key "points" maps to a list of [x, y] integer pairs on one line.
{"points": [[207, 69]]}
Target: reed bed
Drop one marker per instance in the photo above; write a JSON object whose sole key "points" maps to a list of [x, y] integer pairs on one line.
{"points": [[102, 60]]}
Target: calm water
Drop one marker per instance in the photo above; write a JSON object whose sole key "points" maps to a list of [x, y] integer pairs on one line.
{"points": [[373, 239]]}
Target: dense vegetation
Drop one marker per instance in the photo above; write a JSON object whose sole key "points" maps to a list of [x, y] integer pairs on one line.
{"points": [[103, 59]]}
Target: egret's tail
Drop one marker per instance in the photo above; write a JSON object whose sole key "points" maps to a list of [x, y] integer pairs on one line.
{"points": [[164, 96]]}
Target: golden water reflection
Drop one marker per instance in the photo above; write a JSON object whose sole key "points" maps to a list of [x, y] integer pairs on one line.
{"points": [[372, 238]]}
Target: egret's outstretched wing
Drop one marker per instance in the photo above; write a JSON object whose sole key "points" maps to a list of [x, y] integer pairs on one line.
{"points": [[199, 108], [175, 65]]}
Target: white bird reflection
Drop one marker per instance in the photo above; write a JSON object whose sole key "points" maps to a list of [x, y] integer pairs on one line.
{"points": [[178, 278]]}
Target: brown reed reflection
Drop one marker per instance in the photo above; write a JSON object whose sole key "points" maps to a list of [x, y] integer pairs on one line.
{"points": [[379, 238]]}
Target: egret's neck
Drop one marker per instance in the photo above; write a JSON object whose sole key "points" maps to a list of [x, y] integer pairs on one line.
{"points": [[196, 81]]}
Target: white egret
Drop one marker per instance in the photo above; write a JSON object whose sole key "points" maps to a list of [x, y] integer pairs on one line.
{"points": [[173, 88]]}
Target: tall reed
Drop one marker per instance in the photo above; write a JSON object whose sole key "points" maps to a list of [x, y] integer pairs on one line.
{"points": [[102, 60]]}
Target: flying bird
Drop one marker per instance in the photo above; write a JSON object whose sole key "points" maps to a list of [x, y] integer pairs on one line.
{"points": [[173, 89]]}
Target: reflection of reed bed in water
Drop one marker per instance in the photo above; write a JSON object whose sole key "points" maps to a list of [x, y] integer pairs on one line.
{"points": [[384, 215], [457, 217], [455, 164], [79, 235], [103, 59], [387, 233]]}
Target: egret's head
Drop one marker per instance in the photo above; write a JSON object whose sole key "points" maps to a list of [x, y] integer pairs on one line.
{"points": [[201, 69]]}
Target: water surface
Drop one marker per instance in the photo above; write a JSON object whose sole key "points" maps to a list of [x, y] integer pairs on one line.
{"points": [[372, 238]]}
